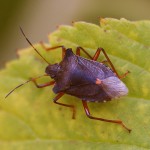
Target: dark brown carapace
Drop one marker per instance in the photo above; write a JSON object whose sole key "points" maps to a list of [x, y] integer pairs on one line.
{"points": [[87, 79]]}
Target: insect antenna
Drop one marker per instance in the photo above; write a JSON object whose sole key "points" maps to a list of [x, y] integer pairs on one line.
{"points": [[23, 84], [32, 45], [16, 88]]}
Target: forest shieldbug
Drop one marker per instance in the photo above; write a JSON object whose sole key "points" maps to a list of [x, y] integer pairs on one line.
{"points": [[87, 79]]}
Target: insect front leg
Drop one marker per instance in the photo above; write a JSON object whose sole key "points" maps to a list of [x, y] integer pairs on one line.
{"points": [[53, 48], [87, 111], [42, 85], [66, 105]]}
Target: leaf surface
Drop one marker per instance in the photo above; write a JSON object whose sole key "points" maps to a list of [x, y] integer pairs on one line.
{"points": [[29, 118]]}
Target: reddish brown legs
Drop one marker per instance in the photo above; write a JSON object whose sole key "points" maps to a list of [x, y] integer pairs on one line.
{"points": [[57, 97], [95, 57], [87, 111], [124, 75], [109, 61], [78, 52], [107, 58], [42, 85], [71, 106], [53, 48]]}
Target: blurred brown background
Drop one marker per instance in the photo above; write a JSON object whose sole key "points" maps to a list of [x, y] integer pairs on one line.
{"points": [[39, 18]]}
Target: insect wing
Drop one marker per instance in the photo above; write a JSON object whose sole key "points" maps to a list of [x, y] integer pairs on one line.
{"points": [[114, 87]]}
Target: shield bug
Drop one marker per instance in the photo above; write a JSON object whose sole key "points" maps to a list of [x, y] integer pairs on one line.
{"points": [[87, 79]]}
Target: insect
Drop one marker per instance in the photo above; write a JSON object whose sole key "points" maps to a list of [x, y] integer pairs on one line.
{"points": [[84, 78]]}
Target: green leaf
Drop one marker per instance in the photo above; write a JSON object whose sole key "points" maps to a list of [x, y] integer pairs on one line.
{"points": [[30, 120]]}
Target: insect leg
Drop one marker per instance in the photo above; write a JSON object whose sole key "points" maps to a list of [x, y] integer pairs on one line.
{"points": [[87, 111], [66, 105], [124, 75], [111, 64], [42, 85], [108, 60], [95, 57], [78, 52], [53, 48]]}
